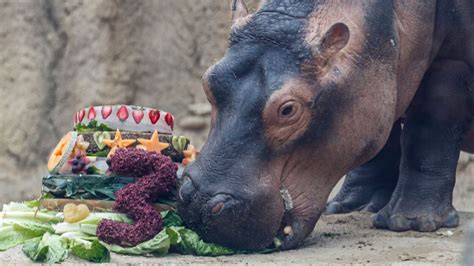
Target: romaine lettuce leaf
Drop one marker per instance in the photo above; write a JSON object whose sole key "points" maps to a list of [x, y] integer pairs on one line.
{"points": [[9, 237], [49, 248], [170, 218], [159, 245], [94, 253], [189, 242]]}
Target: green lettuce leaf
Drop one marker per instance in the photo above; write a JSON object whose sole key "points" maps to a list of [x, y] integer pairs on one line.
{"points": [[190, 243], [49, 249], [30, 248], [29, 227], [18, 207], [62, 228], [9, 237], [159, 245], [95, 218], [94, 253], [170, 218], [91, 127]]}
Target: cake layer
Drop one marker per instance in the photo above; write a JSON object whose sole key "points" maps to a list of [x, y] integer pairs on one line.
{"points": [[97, 187], [94, 146], [89, 187], [125, 118]]}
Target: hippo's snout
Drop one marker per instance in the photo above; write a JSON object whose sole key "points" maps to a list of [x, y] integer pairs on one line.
{"points": [[216, 205], [243, 217]]}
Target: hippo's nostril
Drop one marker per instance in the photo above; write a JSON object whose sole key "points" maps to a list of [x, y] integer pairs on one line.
{"points": [[220, 202], [186, 190], [217, 208]]}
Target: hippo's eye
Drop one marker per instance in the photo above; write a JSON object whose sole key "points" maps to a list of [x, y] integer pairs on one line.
{"points": [[288, 110]]}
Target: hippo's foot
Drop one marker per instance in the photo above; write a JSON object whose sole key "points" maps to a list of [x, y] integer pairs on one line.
{"points": [[432, 135], [427, 216], [361, 197]]}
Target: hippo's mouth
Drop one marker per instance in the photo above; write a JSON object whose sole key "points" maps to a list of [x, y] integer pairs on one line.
{"points": [[239, 221]]}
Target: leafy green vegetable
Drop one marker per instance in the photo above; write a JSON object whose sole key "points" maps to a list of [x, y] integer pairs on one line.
{"points": [[92, 126], [94, 171], [170, 218], [95, 253], [20, 222], [9, 237], [95, 218], [159, 245], [29, 227], [17, 207], [30, 248], [102, 153], [50, 248], [98, 187], [32, 215], [32, 204], [78, 238], [62, 228], [189, 242]]}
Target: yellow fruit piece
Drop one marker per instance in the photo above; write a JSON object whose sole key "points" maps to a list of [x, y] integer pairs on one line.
{"points": [[75, 213]]}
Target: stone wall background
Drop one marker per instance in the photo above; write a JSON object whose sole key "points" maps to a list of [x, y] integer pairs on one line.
{"points": [[58, 56]]}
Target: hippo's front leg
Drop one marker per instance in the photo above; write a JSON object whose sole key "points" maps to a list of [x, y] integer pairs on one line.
{"points": [[431, 140], [370, 186]]}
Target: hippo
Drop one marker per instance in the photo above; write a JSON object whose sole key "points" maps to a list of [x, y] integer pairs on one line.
{"points": [[309, 91]]}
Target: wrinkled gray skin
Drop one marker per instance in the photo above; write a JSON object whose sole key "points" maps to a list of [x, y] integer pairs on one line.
{"points": [[312, 90]]}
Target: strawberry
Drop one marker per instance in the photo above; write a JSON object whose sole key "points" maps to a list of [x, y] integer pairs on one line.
{"points": [[138, 116], [122, 113], [154, 116], [169, 120], [106, 111], [82, 113], [91, 114]]}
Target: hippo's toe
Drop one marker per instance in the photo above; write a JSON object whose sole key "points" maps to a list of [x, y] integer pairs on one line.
{"points": [[334, 207], [421, 221]]}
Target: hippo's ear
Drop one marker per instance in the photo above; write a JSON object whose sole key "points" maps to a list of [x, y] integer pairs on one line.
{"points": [[333, 41], [239, 10]]}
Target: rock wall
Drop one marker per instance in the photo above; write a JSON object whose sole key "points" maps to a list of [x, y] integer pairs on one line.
{"points": [[58, 56]]}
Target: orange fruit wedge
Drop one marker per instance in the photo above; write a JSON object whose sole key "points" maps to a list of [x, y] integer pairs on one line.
{"points": [[62, 152]]}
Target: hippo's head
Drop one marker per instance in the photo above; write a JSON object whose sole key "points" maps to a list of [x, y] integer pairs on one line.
{"points": [[297, 102]]}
